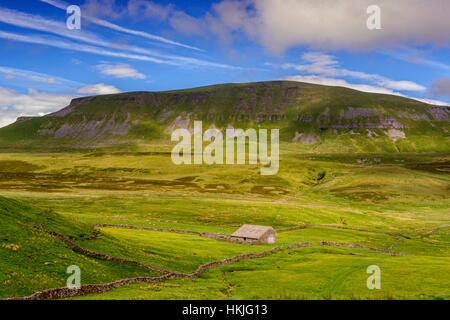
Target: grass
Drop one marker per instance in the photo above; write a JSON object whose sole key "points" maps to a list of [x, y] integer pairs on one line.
{"points": [[70, 191], [145, 118], [32, 260], [304, 274]]}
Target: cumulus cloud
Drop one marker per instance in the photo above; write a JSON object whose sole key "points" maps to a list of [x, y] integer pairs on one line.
{"points": [[281, 24], [324, 65], [440, 88], [98, 89], [326, 24], [120, 71], [341, 24], [14, 104]]}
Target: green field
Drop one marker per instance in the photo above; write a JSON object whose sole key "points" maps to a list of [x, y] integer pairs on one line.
{"points": [[363, 180], [397, 203]]}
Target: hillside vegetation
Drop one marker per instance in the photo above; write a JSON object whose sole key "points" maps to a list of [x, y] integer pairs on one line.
{"points": [[33, 260], [315, 118], [398, 204], [363, 180]]}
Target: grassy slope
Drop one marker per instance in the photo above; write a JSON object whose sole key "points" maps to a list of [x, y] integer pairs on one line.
{"points": [[305, 274], [418, 192], [116, 185], [231, 102], [300, 274], [31, 260]]}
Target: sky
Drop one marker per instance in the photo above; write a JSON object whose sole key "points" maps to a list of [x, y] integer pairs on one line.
{"points": [[140, 45]]}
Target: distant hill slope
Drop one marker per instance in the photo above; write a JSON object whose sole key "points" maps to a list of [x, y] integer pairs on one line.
{"points": [[315, 118]]}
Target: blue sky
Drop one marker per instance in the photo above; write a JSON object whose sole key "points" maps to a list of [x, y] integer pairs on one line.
{"points": [[139, 45]]}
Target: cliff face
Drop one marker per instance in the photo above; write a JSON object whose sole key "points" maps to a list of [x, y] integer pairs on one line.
{"points": [[320, 117]]}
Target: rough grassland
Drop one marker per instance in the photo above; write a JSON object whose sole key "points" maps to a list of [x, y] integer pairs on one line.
{"points": [[392, 204]]}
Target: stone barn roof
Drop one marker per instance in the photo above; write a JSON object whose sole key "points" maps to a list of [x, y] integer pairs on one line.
{"points": [[251, 232]]}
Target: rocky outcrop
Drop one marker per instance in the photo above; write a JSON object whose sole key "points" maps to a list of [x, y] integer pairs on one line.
{"points": [[181, 122], [305, 138], [387, 122], [439, 113], [395, 134], [88, 129], [352, 113], [293, 107]]}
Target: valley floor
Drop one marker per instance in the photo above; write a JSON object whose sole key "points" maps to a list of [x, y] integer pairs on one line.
{"points": [[336, 215]]}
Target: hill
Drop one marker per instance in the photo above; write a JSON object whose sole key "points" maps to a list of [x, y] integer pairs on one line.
{"points": [[31, 259], [315, 118]]}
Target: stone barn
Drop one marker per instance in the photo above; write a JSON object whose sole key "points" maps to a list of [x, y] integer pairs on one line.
{"points": [[256, 234]]}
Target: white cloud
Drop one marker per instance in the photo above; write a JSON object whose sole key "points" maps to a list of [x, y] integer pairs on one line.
{"points": [[12, 73], [39, 23], [53, 42], [62, 5], [415, 56], [328, 24], [434, 102], [402, 85], [341, 24], [77, 47], [120, 71], [98, 89], [327, 65], [14, 104]]}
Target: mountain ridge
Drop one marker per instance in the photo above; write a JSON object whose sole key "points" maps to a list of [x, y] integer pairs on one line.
{"points": [[309, 115]]}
